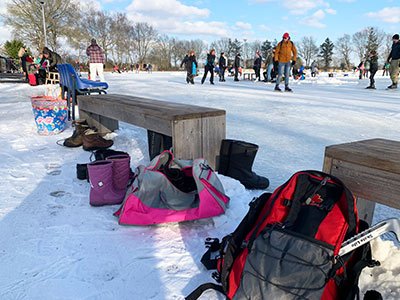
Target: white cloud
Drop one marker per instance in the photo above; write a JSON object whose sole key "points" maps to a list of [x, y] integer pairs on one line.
{"points": [[264, 28], [5, 33], [85, 5], [173, 17], [167, 8], [303, 6], [262, 1], [314, 20], [387, 15], [330, 11], [243, 25]]}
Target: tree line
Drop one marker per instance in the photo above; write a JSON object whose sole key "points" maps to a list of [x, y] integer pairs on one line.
{"points": [[69, 24]]}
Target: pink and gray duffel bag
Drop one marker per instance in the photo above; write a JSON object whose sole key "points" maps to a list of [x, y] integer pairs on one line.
{"points": [[172, 190]]}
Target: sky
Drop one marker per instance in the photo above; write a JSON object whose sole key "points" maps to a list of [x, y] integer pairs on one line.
{"points": [[253, 19]]}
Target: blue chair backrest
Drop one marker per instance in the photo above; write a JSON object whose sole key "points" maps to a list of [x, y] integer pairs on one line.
{"points": [[62, 77], [65, 78]]}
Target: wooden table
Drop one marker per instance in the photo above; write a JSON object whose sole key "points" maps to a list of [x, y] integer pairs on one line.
{"points": [[196, 131], [370, 169]]}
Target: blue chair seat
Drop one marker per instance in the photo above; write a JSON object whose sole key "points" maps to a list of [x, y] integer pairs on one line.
{"points": [[86, 84]]}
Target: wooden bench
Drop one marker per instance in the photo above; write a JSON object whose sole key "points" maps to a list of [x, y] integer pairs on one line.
{"points": [[370, 169], [249, 76], [196, 131]]}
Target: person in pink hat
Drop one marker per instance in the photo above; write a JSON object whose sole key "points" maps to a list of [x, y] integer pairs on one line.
{"points": [[285, 55]]}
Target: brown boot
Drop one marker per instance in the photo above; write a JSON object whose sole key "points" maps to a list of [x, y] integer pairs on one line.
{"points": [[76, 139], [93, 141]]}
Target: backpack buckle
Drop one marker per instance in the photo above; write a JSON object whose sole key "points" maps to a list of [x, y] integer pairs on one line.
{"points": [[216, 276], [212, 244]]}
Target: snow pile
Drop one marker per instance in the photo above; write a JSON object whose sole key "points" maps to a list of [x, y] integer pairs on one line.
{"points": [[53, 245]]}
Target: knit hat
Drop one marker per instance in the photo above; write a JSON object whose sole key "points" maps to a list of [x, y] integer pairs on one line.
{"points": [[396, 37], [286, 35]]}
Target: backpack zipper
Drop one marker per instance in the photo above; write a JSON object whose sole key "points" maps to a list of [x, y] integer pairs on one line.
{"points": [[320, 185]]}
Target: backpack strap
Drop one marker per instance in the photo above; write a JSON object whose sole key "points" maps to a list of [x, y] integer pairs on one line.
{"points": [[213, 245], [201, 288]]}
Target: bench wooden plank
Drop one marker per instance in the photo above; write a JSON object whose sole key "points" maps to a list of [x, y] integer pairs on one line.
{"points": [[376, 153], [216, 129], [369, 183], [161, 109], [371, 170], [196, 131]]}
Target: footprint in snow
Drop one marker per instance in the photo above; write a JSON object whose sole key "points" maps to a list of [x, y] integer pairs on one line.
{"points": [[52, 166], [172, 269], [58, 194], [55, 209], [54, 172]]}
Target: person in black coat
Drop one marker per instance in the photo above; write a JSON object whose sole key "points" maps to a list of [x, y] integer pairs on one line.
{"points": [[52, 57], [394, 60], [373, 68], [209, 67], [190, 63], [257, 65], [185, 61], [236, 66], [222, 63]]}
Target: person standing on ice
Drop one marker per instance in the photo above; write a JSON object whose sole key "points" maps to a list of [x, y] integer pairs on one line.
{"points": [[284, 53], [222, 63], [257, 65], [314, 69], [373, 68], [394, 60], [236, 66], [190, 63], [96, 60], [209, 67]]}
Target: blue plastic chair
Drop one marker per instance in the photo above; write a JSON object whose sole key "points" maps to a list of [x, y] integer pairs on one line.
{"points": [[74, 85], [64, 83]]}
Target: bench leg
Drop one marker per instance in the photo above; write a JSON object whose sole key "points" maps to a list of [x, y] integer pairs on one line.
{"points": [[365, 210], [157, 143], [103, 124], [199, 138]]}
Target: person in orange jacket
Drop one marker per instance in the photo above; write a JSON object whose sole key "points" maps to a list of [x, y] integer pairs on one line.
{"points": [[285, 55]]}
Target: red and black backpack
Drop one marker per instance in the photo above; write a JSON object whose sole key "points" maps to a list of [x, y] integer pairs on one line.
{"points": [[287, 245]]}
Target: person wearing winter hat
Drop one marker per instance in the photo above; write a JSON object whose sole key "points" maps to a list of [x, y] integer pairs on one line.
{"points": [[96, 60], [285, 55], [394, 60]]}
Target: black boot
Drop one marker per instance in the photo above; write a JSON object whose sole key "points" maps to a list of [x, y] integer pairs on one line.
{"points": [[236, 161]]}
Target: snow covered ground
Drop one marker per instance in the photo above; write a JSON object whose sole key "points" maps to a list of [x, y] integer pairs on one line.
{"points": [[53, 245]]}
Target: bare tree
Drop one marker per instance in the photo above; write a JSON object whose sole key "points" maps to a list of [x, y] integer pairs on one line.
{"points": [[308, 49], [344, 50], [199, 47], [360, 41], [143, 36], [25, 17], [179, 50], [161, 53], [120, 25], [386, 46], [98, 25], [220, 45]]}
